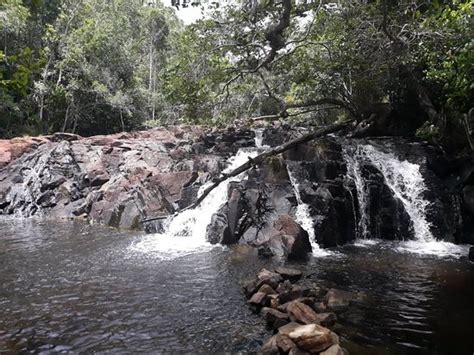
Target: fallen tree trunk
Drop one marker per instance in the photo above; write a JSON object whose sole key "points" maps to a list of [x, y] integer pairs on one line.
{"points": [[259, 159]]}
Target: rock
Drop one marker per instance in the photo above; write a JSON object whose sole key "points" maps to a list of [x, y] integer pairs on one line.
{"points": [[285, 343], [301, 313], [284, 287], [319, 307], [250, 287], [265, 252], [273, 316], [266, 289], [336, 349], [266, 277], [258, 299], [296, 351], [270, 347], [309, 301], [313, 338], [327, 319], [471, 254], [295, 293], [288, 328], [294, 238], [289, 274], [338, 299]]}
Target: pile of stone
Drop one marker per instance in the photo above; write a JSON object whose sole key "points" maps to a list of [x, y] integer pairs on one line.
{"points": [[301, 317]]}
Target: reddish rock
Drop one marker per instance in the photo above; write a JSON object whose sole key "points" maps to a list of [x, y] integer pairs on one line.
{"points": [[288, 273], [272, 315], [288, 328], [284, 286], [258, 300], [266, 289], [296, 351], [266, 277], [313, 338], [270, 347], [301, 313], [285, 343], [335, 350], [294, 237]]}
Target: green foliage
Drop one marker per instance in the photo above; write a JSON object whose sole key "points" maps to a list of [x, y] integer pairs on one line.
{"points": [[101, 66]]}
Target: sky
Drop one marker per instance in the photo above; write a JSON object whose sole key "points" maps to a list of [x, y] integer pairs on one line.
{"points": [[188, 14]]}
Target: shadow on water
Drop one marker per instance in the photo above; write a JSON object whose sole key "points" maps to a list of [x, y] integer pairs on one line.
{"points": [[74, 287]]}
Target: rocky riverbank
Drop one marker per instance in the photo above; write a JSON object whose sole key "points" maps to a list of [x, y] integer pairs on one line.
{"points": [[328, 191], [300, 316]]}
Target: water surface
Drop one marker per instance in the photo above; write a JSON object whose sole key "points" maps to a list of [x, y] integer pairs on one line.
{"points": [[77, 288]]}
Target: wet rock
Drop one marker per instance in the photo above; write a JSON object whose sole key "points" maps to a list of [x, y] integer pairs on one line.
{"points": [[288, 328], [338, 299], [266, 289], [266, 277], [288, 273], [295, 238], [258, 299], [250, 287], [284, 286], [293, 294], [285, 343], [296, 351], [265, 252], [471, 254], [326, 319], [301, 313], [313, 338], [273, 316], [335, 350], [270, 347]]}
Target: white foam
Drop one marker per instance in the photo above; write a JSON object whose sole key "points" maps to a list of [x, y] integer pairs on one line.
{"points": [[434, 247], [365, 243]]}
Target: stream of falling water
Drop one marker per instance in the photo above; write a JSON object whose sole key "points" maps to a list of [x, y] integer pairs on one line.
{"points": [[185, 233], [407, 184], [303, 217]]}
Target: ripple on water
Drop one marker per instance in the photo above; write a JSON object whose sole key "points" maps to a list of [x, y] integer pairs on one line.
{"points": [[86, 289]]}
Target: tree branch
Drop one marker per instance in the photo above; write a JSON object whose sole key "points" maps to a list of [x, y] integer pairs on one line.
{"points": [[259, 159]]}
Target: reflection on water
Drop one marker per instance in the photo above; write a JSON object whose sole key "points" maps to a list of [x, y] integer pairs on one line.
{"points": [[72, 287]]}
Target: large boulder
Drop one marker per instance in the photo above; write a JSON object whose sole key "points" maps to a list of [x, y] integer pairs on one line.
{"points": [[286, 238], [313, 338]]}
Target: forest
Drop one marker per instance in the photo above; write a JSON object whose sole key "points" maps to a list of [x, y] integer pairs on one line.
{"points": [[239, 176], [96, 66]]}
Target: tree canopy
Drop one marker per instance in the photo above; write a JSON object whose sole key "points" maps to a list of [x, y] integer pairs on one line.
{"points": [[97, 66]]}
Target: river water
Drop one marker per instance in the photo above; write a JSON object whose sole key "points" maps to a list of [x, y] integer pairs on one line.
{"points": [[72, 287]]}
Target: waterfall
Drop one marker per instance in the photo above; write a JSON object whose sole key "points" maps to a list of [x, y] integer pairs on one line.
{"points": [[402, 177], [259, 139], [185, 233], [407, 184], [354, 171], [303, 217]]}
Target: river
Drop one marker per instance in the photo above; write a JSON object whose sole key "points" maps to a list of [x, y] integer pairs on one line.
{"points": [[71, 287]]}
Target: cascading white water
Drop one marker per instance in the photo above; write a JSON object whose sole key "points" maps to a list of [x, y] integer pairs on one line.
{"points": [[259, 139], [303, 217], [185, 233], [407, 184], [355, 173]]}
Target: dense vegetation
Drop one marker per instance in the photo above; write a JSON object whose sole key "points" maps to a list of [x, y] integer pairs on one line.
{"points": [[101, 66]]}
